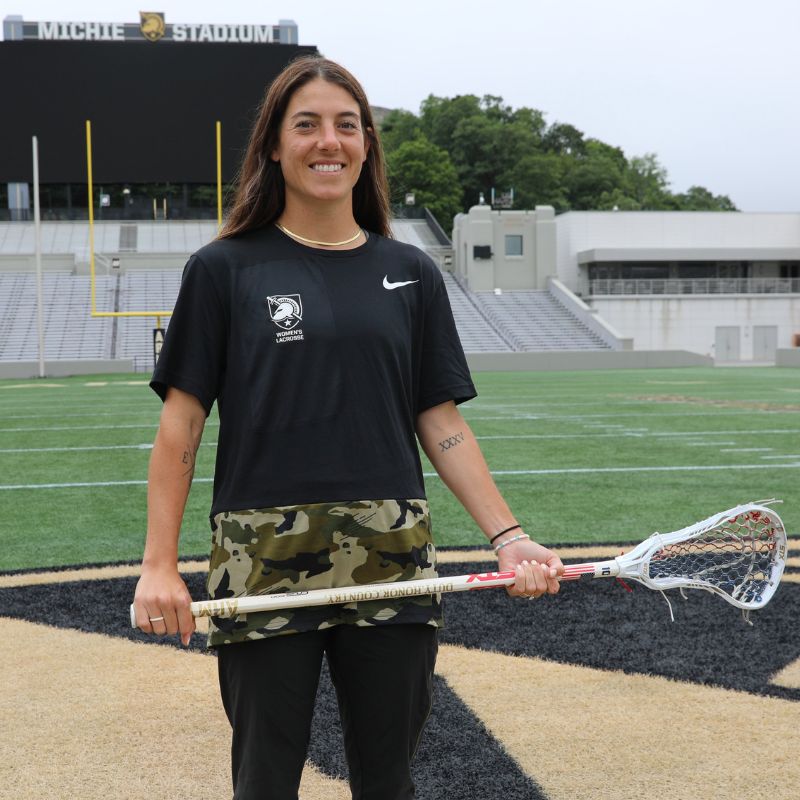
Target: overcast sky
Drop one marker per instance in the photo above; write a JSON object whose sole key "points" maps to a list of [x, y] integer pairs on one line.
{"points": [[709, 86]]}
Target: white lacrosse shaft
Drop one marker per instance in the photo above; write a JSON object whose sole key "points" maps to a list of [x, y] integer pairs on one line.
{"points": [[230, 607]]}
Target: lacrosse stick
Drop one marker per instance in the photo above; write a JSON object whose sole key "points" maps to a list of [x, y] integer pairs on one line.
{"points": [[738, 554]]}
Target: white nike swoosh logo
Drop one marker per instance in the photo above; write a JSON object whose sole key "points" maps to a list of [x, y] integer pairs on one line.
{"points": [[388, 285]]}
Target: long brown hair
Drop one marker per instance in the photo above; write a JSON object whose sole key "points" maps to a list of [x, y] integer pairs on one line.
{"points": [[260, 194]]}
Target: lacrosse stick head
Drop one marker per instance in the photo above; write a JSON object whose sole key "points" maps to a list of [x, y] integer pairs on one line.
{"points": [[738, 554]]}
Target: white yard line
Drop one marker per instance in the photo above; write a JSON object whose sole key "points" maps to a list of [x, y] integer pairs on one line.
{"points": [[747, 449], [634, 432], [729, 433], [84, 484], [70, 449], [152, 425], [648, 415], [149, 446], [502, 473], [590, 470], [57, 415], [144, 446]]}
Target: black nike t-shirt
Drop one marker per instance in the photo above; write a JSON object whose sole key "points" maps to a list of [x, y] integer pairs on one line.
{"points": [[319, 361]]}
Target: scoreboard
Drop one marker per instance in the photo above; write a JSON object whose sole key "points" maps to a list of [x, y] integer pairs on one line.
{"points": [[153, 107]]}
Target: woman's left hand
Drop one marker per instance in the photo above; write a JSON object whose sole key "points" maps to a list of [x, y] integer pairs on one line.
{"points": [[537, 568]]}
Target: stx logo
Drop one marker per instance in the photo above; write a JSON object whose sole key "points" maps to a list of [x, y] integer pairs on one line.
{"points": [[489, 576], [451, 441]]}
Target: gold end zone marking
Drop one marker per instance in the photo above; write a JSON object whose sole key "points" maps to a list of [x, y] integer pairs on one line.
{"points": [[88, 574], [588, 716], [127, 696], [788, 677], [444, 556]]}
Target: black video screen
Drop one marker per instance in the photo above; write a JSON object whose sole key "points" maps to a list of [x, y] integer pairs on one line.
{"points": [[153, 108]]}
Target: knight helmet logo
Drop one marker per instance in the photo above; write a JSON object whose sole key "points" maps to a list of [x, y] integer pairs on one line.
{"points": [[152, 25], [285, 310]]}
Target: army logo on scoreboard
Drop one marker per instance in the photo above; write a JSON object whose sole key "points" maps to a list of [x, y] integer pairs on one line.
{"points": [[286, 311], [152, 25]]}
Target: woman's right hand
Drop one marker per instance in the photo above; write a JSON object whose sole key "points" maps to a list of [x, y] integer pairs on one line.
{"points": [[161, 603]]}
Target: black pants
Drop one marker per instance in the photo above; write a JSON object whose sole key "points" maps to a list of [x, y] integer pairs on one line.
{"points": [[383, 678]]}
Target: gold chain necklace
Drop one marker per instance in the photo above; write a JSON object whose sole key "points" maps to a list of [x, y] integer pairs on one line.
{"points": [[314, 241]]}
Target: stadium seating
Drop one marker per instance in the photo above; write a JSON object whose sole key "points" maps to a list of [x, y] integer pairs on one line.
{"points": [[532, 320], [69, 330], [145, 289], [151, 254]]}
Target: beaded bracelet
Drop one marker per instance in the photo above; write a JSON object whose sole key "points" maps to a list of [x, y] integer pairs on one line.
{"points": [[498, 535], [512, 539]]}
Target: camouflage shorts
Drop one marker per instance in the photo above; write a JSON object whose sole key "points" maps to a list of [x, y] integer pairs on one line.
{"points": [[321, 546]]}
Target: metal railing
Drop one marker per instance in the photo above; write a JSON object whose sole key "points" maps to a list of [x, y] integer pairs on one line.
{"points": [[604, 286]]}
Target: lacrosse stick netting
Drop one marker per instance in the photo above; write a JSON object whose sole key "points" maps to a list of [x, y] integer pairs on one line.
{"points": [[738, 554]]}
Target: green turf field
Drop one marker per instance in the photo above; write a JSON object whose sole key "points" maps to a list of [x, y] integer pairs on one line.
{"points": [[580, 456]]}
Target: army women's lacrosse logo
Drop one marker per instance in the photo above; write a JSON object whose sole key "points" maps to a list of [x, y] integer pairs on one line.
{"points": [[285, 310]]}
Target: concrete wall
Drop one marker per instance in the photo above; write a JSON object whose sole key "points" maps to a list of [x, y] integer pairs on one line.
{"points": [[63, 369], [690, 322], [484, 227], [589, 316], [788, 358], [583, 360], [51, 262], [135, 261]]}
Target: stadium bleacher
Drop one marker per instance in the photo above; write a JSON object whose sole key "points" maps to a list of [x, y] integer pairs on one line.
{"points": [[140, 290], [535, 320], [69, 330], [151, 252]]}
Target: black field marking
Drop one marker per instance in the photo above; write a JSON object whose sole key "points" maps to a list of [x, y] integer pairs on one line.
{"points": [[100, 606], [593, 623], [456, 754], [597, 623]]}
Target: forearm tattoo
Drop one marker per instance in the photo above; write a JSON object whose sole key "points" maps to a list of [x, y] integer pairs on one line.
{"points": [[451, 441], [188, 459]]}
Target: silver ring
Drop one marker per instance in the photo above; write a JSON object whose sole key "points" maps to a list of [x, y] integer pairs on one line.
{"points": [[156, 619]]}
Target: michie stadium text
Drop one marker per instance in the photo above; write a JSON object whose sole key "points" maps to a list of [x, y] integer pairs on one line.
{"points": [[115, 32]]}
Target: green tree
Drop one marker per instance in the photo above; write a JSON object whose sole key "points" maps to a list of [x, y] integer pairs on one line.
{"points": [[491, 145], [478, 155], [597, 170], [537, 179], [647, 184], [439, 116], [564, 140], [698, 198], [399, 126], [419, 166]]}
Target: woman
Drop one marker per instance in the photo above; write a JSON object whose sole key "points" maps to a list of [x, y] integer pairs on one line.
{"points": [[329, 349]]}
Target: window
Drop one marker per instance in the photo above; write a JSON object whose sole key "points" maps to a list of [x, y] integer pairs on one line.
{"points": [[513, 245]]}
